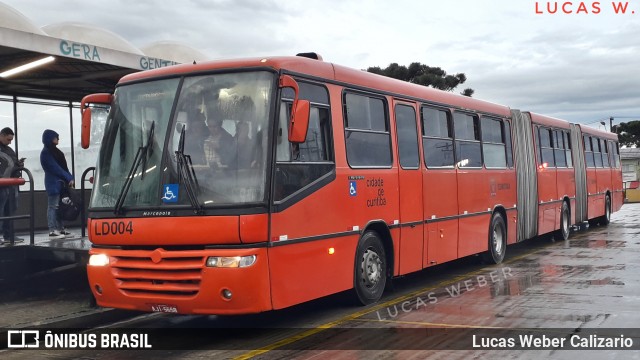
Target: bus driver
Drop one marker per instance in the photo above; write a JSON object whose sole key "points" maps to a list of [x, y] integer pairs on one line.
{"points": [[219, 146]]}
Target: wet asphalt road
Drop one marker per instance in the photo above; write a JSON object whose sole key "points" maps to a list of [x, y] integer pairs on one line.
{"points": [[546, 289]]}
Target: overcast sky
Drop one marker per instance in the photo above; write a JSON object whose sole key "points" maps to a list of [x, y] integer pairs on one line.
{"points": [[580, 67]]}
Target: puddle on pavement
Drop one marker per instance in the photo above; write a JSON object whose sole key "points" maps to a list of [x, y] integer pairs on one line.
{"points": [[586, 243]]}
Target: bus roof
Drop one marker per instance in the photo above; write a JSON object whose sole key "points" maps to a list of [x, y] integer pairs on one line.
{"points": [[603, 134], [549, 121], [563, 124], [334, 73]]}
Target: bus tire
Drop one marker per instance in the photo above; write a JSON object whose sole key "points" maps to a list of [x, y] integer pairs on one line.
{"points": [[565, 222], [606, 218], [497, 240], [370, 273]]}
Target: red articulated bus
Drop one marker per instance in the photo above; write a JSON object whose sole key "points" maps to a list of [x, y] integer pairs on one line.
{"points": [[242, 186]]}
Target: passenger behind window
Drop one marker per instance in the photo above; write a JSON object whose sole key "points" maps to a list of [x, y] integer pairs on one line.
{"points": [[219, 146], [247, 152], [195, 136]]}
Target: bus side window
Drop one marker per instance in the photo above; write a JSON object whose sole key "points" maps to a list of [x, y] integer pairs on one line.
{"points": [[315, 147], [408, 153], [508, 143], [615, 156], [466, 132], [546, 147], [605, 154], [283, 146], [298, 165], [437, 138], [558, 149], [567, 148], [493, 143], [367, 136], [588, 151], [597, 152]]}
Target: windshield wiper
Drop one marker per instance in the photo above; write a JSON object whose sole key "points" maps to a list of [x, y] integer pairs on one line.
{"points": [[140, 158], [186, 172]]}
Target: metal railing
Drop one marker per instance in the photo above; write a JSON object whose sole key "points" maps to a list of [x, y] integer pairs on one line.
{"points": [[5, 182], [83, 215]]}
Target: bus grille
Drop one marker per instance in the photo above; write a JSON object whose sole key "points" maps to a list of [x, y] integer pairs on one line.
{"points": [[173, 274]]}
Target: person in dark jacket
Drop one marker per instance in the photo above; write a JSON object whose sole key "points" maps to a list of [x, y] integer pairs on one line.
{"points": [[10, 167], [56, 178]]}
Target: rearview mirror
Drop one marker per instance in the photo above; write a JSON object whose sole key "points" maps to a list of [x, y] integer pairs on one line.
{"points": [[85, 110], [299, 120]]}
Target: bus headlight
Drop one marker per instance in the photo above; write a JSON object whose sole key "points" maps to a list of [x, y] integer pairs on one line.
{"points": [[99, 260], [231, 261]]}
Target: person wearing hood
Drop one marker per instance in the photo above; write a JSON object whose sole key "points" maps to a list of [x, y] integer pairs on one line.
{"points": [[56, 178]]}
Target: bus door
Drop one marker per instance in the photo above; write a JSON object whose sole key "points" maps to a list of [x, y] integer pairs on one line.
{"points": [[410, 189], [603, 173], [616, 177], [476, 187], [440, 186], [547, 182], [592, 184]]}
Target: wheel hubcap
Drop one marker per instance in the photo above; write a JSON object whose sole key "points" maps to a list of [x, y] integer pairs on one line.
{"points": [[497, 239], [565, 222], [371, 268]]}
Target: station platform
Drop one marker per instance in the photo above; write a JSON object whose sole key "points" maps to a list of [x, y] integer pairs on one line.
{"points": [[74, 241], [45, 282], [41, 260]]}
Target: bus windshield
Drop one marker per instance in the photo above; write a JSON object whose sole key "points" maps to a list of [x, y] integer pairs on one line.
{"points": [[199, 141]]}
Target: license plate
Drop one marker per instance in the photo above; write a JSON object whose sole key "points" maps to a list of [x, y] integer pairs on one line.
{"points": [[164, 308]]}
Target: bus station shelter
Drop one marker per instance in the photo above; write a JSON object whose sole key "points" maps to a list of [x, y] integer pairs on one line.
{"points": [[44, 74]]}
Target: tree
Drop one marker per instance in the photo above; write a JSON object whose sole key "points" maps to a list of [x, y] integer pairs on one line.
{"points": [[421, 74], [467, 92], [629, 133]]}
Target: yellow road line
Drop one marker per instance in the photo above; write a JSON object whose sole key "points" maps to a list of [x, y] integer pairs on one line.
{"points": [[377, 307]]}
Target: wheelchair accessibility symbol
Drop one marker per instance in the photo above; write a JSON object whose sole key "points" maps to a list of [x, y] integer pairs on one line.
{"points": [[353, 190], [170, 193]]}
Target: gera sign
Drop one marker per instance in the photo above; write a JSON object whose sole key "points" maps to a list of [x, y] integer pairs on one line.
{"points": [[94, 53], [79, 51]]}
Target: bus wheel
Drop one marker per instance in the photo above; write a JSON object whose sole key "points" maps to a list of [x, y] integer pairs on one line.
{"points": [[606, 219], [497, 240], [565, 221], [370, 274]]}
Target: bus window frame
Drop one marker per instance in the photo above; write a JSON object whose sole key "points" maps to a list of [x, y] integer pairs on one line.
{"points": [[559, 148], [550, 136], [346, 129], [509, 146], [605, 144], [567, 148], [321, 181], [588, 150], [424, 137], [478, 134], [598, 144], [416, 138], [503, 143]]}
